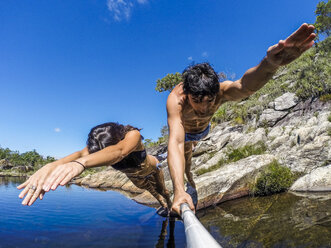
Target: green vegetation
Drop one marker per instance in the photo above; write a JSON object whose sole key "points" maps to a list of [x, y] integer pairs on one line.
{"points": [[168, 82], [323, 18], [274, 179], [163, 139], [214, 167], [233, 155], [329, 131], [31, 158], [308, 76], [329, 118], [325, 98], [246, 151]]}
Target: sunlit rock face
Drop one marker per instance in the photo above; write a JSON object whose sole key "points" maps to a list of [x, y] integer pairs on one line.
{"points": [[300, 140], [317, 180]]}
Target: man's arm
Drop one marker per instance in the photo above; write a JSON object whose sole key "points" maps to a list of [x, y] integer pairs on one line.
{"points": [[176, 159], [280, 54]]}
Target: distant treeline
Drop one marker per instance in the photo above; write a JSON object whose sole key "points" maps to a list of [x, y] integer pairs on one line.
{"points": [[31, 158]]}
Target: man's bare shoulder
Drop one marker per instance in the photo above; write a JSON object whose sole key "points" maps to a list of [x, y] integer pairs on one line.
{"points": [[222, 95], [176, 98]]}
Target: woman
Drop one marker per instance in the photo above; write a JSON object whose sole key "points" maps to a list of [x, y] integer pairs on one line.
{"points": [[107, 144]]}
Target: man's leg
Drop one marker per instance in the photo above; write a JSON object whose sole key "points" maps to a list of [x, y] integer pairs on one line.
{"points": [[188, 161]]}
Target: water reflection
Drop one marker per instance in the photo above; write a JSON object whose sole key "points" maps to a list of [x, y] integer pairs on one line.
{"points": [[285, 220], [163, 234], [90, 218], [81, 217]]}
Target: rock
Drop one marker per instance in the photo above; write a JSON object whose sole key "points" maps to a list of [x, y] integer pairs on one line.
{"points": [[23, 168], [317, 180], [271, 117], [230, 181], [5, 164], [146, 198], [280, 73], [286, 101]]}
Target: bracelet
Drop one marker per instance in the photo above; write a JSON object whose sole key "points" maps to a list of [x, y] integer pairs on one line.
{"points": [[79, 163]]}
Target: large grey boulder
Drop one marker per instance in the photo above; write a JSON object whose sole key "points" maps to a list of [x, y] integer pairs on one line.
{"points": [[317, 180], [230, 181], [271, 117], [286, 101]]}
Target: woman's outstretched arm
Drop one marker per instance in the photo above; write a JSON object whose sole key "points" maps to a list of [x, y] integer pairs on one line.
{"points": [[107, 156], [33, 187], [63, 170]]}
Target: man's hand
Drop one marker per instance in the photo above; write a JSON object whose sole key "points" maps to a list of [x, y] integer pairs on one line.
{"points": [[179, 199], [290, 49]]}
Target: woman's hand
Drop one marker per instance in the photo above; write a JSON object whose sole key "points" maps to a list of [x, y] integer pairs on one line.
{"points": [[62, 174], [33, 187]]}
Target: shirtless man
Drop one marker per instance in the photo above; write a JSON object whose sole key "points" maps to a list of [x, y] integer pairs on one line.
{"points": [[192, 103]]}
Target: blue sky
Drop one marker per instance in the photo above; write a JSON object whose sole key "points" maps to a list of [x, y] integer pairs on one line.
{"points": [[68, 65]]}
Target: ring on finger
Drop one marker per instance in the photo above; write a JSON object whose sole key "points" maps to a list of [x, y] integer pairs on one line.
{"points": [[33, 187]]}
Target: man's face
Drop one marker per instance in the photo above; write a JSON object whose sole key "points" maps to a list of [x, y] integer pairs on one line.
{"points": [[201, 105]]}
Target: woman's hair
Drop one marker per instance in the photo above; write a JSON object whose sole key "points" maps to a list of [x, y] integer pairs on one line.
{"points": [[106, 134]]}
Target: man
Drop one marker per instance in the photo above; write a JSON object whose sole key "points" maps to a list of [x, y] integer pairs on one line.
{"points": [[192, 103]]}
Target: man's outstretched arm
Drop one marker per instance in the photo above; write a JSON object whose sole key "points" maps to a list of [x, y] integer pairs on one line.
{"points": [[280, 54], [176, 159]]}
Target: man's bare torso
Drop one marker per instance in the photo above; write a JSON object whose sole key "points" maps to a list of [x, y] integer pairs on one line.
{"points": [[193, 121]]}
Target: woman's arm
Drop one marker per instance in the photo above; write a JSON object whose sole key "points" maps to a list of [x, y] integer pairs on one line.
{"points": [[107, 156], [37, 180]]}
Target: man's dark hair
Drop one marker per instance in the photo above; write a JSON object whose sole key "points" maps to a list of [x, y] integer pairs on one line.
{"points": [[106, 134], [200, 80]]}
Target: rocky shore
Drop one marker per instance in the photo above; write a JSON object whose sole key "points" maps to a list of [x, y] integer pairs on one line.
{"points": [[296, 134]]}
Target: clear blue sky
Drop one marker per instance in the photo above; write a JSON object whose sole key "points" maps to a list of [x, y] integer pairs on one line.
{"points": [[68, 65]]}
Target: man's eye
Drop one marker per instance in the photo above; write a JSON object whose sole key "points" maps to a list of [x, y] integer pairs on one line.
{"points": [[210, 100]]}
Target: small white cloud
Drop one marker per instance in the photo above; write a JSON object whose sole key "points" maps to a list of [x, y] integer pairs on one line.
{"points": [[190, 58], [233, 76], [57, 129], [122, 9], [204, 54]]}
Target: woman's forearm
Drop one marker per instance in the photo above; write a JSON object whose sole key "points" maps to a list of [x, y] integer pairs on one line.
{"points": [[69, 158]]}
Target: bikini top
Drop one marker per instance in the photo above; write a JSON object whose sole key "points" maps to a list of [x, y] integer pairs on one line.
{"points": [[133, 160]]}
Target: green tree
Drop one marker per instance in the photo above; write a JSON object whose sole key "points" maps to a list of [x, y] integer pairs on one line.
{"points": [[168, 82], [323, 18]]}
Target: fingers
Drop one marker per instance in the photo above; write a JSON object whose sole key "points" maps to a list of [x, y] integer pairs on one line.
{"points": [[190, 204], [23, 184], [51, 180], [66, 179], [59, 180], [300, 35], [308, 42], [23, 193], [41, 196], [28, 197], [34, 196], [277, 48]]}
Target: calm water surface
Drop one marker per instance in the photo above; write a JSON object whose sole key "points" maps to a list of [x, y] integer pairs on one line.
{"points": [[78, 217]]}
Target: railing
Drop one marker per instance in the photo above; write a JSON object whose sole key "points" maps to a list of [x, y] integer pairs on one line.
{"points": [[196, 234]]}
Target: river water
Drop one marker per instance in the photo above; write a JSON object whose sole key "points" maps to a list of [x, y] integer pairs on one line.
{"points": [[78, 217]]}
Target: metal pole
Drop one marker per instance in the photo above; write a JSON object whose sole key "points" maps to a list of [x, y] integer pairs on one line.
{"points": [[196, 234]]}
